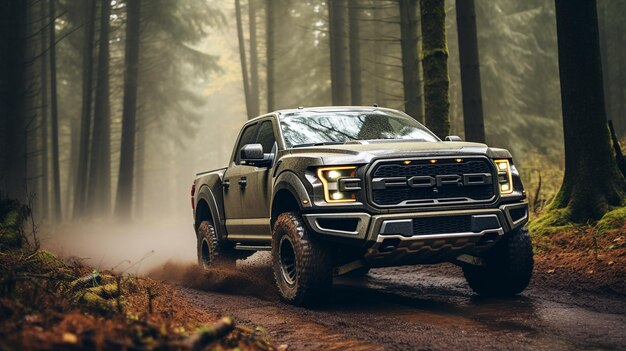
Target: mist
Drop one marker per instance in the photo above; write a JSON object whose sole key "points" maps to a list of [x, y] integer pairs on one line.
{"points": [[192, 98]]}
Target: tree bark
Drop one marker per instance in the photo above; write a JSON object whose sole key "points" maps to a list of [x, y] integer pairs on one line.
{"points": [[354, 17], [80, 196], [410, 59], [435, 66], [13, 91], [123, 205], [270, 23], [592, 182], [336, 19], [140, 149], [254, 59], [244, 63], [54, 115], [99, 190], [470, 71], [43, 37]]}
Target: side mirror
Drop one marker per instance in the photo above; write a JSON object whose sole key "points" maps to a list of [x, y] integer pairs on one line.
{"points": [[252, 155], [453, 138]]}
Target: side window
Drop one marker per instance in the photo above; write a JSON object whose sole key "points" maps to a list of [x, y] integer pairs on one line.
{"points": [[246, 138], [266, 136]]}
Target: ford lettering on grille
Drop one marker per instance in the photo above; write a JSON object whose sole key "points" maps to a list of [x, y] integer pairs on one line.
{"points": [[424, 183]]}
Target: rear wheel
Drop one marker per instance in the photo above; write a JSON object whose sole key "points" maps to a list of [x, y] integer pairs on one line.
{"points": [[508, 266], [302, 266], [210, 252]]}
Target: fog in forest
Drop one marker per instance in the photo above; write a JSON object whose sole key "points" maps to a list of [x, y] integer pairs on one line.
{"points": [[191, 101]]}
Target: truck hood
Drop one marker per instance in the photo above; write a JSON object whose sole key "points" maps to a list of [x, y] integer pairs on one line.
{"points": [[365, 151]]}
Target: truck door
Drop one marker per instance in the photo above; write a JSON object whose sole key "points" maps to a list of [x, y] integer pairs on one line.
{"points": [[231, 184], [257, 192]]}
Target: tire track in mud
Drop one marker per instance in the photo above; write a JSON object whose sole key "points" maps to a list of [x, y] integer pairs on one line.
{"points": [[405, 308]]}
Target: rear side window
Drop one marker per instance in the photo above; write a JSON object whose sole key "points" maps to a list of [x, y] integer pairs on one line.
{"points": [[246, 138], [266, 136]]}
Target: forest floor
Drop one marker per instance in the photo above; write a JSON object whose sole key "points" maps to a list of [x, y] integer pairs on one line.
{"points": [[576, 300], [48, 303]]}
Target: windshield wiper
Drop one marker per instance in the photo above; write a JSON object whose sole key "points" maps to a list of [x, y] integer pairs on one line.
{"points": [[319, 144]]}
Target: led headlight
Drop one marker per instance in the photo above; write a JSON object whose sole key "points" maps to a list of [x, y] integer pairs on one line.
{"points": [[505, 179], [340, 185]]}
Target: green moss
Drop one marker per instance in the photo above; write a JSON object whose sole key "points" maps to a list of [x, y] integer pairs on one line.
{"points": [[613, 219], [97, 302], [48, 259], [11, 220], [550, 222], [106, 291], [556, 220]]}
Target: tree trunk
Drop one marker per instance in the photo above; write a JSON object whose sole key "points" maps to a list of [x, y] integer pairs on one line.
{"points": [[336, 19], [54, 115], [470, 71], [99, 191], [123, 205], [80, 196], [244, 63], [270, 23], [592, 182], [43, 37], [12, 93], [354, 16], [410, 59], [435, 66], [377, 51], [254, 59], [140, 149]]}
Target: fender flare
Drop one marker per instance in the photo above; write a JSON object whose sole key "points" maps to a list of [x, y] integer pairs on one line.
{"points": [[206, 194], [289, 181]]}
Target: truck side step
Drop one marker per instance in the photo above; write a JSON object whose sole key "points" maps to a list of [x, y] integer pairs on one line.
{"points": [[253, 247]]}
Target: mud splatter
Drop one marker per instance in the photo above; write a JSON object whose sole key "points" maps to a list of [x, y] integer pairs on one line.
{"points": [[245, 279]]}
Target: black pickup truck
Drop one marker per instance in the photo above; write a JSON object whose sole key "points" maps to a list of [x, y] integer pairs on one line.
{"points": [[340, 190]]}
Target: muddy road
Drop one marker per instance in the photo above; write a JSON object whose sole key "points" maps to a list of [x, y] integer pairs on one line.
{"points": [[402, 308], [415, 308]]}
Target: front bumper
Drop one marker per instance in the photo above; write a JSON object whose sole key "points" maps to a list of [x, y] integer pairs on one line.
{"points": [[419, 237]]}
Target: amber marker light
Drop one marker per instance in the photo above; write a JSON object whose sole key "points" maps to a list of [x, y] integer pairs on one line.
{"points": [[459, 160], [433, 161], [407, 162]]}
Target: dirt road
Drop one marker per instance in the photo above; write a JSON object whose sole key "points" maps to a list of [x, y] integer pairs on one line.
{"points": [[418, 308]]}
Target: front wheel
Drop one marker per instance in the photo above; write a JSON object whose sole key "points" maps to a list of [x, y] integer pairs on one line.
{"points": [[302, 265], [508, 266]]}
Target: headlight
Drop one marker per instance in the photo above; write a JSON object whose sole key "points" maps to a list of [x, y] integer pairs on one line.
{"points": [[505, 180], [340, 184]]}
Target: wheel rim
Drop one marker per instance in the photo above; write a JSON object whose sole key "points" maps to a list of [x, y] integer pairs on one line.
{"points": [[287, 261], [205, 253]]}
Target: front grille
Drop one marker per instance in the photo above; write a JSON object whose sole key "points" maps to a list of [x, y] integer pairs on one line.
{"points": [[442, 225], [392, 182]]}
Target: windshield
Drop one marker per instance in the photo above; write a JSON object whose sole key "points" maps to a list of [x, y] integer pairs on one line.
{"points": [[337, 127]]}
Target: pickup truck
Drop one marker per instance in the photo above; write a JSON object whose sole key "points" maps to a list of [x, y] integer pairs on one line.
{"points": [[340, 190]]}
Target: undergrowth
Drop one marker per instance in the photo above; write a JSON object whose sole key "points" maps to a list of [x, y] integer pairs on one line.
{"points": [[47, 303]]}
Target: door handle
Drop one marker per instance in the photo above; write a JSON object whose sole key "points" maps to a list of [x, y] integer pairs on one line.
{"points": [[243, 182], [226, 184]]}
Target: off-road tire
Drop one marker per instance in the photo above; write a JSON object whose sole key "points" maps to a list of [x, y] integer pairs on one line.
{"points": [[312, 274], [508, 266], [210, 252]]}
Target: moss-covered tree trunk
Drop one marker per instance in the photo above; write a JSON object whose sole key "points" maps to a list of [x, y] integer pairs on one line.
{"points": [[592, 182], [435, 66]]}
